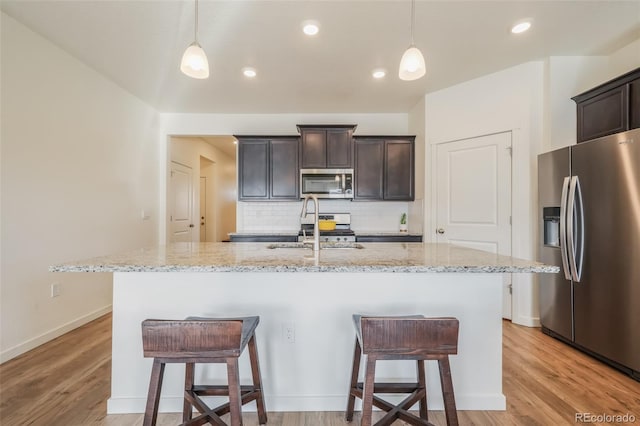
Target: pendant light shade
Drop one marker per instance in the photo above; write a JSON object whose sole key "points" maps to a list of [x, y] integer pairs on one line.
{"points": [[412, 65], [194, 60]]}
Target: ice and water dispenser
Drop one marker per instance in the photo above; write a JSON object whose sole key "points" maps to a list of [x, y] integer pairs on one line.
{"points": [[551, 217]]}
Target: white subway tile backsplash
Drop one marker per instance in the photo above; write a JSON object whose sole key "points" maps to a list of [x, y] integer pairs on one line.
{"points": [[365, 216]]}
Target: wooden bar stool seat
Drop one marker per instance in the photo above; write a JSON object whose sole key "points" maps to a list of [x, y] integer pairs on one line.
{"points": [[402, 338], [204, 340]]}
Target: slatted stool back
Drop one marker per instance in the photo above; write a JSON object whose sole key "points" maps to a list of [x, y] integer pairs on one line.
{"points": [[402, 338], [203, 340]]}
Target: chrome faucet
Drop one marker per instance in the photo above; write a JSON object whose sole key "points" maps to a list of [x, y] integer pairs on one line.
{"points": [[316, 231]]}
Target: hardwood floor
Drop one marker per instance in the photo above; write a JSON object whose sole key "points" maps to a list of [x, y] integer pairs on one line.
{"points": [[66, 382]]}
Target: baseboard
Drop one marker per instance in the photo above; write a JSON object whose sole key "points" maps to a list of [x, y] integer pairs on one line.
{"points": [[288, 403], [17, 350], [526, 321]]}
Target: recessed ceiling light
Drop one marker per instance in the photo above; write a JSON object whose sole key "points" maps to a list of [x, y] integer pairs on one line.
{"points": [[249, 72], [521, 26], [310, 28], [379, 73]]}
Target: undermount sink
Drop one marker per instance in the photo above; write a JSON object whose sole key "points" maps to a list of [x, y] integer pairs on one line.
{"points": [[323, 245]]}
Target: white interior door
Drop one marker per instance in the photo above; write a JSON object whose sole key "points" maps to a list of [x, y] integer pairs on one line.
{"points": [[181, 215], [473, 197], [203, 209]]}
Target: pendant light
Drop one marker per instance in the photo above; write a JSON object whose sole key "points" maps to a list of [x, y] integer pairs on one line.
{"points": [[194, 61], [412, 65]]}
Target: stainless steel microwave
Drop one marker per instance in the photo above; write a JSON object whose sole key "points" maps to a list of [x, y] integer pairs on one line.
{"points": [[327, 183]]}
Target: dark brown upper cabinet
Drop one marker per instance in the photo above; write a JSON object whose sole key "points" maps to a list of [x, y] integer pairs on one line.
{"points": [[268, 168], [368, 169], [326, 146], [399, 170], [609, 108], [384, 168]]}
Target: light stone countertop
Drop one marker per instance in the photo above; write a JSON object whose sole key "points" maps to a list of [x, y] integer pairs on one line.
{"points": [[258, 257]]}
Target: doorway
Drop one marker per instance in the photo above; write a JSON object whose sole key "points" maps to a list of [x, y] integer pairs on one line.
{"points": [[213, 199], [473, 197]]}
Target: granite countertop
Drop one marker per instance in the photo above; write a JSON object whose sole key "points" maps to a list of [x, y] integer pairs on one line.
{"points": [[258, 257]]}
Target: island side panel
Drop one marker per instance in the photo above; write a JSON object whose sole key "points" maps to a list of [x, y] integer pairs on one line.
{"points": [[312, 373]]}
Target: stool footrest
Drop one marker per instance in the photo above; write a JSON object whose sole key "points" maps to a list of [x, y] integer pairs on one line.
{"points": [[221, 410], [218, 390], [382, 387]]}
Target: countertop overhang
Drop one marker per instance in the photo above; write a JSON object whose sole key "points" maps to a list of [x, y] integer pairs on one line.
{"points": [[257, 257]]}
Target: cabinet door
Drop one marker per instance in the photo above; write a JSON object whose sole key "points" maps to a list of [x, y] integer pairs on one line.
{"points": [[604, 114], [634, 104], [253, 170], [398, 170], [314, 149], [284, 169], [368, 170], [339, 146]]}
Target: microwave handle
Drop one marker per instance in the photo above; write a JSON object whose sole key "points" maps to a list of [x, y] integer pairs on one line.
{"points": [[344, 182]]}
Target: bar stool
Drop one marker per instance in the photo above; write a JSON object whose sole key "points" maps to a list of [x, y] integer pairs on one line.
{"points": [[203, 340], [402, 338]]}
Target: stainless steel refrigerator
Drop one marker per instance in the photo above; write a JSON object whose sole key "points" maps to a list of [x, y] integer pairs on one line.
{"points": [[589, 199]]}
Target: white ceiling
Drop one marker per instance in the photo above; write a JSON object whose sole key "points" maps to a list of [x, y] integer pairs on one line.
{"points": [[139, 44]]}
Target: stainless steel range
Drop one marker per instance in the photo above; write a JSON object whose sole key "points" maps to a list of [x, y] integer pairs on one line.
{"points": [[342, 233]]}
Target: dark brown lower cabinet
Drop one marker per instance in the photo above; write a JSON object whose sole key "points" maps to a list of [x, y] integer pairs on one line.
{"points": [[268, 168], [384, 168]]}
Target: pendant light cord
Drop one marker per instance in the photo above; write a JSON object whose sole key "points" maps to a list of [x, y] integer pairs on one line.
{"points": [[196, 26], [413, 19]]}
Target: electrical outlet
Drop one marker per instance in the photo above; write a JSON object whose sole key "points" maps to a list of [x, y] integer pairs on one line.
{"points": [[289, 332], [55, 289]]}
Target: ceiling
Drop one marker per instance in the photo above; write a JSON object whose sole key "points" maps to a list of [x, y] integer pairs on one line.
{"points": [[138, 44]]}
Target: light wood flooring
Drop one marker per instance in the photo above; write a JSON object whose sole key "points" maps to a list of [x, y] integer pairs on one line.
{"points": [[66, 382]]}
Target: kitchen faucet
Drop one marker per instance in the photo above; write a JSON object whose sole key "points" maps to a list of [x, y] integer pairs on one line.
{"points": [[316, 230]]}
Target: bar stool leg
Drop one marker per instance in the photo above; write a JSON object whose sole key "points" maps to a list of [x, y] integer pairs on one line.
{"points": [[423, 385], [367, 393], [235, 402], [153, 398], [447, 391], [355, 369], [187, 410], [257, 379]]}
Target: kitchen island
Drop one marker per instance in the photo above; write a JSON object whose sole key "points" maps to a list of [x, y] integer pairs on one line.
{"points": [[305, 302]]}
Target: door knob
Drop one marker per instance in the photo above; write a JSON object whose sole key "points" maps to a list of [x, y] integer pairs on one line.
{"points": [[191, 225], [440, 231]]}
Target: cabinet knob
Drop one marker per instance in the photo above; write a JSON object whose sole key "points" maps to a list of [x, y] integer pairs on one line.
{"points": [[440, 231]]}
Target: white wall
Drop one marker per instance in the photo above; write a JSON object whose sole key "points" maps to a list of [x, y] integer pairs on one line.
{"points": [[79, 164], [417, 212], [623, 60], [222, 195], [509, 100], [566, 77]]}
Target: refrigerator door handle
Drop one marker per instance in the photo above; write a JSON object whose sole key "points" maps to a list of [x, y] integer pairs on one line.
{"points": [[563, 228], [575, 229]]}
